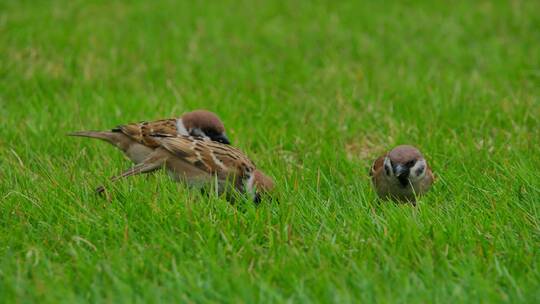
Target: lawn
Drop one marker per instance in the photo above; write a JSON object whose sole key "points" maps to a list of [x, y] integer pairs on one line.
{"points": [[313, 92]]}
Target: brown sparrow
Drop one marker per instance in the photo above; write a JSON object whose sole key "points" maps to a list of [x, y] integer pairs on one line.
{"points": [[402, 174], [135, 139], [199, 161]]}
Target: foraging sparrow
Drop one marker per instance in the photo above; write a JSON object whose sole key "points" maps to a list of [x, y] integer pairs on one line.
{"points": [[401, 174], [135, 139], [200, 161]]}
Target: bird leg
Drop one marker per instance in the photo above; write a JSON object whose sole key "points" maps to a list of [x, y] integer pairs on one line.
{"points": [[152, 163]]}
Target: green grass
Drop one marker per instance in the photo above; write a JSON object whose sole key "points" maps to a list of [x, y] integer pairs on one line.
{"points": [[313, 92]]}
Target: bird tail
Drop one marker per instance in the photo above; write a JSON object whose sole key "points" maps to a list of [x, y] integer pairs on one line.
{"points": [[108, 136]]}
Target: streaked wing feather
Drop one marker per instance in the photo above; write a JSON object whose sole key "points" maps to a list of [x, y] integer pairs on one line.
{"points": [[208, 155], [143, 132]]}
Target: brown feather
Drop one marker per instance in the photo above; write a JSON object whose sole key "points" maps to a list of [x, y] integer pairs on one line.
{"points": [[194, 119], [143, 132], [201, 153], [377, 165], [199, 160], [389, 187]]}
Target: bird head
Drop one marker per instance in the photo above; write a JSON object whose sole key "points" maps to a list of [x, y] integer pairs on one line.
{"points": [[204, 123], [405, 164]]}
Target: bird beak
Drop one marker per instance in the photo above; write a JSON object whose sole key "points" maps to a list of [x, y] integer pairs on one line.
{"points": [[400, 170], [402, 174], [221, 138]]}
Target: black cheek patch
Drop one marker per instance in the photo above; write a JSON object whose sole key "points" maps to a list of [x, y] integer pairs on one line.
{"points": [[419, 170], [387, 170]]}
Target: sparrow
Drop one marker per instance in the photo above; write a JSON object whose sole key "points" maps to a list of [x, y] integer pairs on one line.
{"points": [[401, 174], [136, 141], [201, 162]]}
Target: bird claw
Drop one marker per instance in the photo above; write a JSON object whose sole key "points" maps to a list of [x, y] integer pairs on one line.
{"points": [[101, 191]]}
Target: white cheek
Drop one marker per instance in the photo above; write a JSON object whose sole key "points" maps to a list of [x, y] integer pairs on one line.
{"points": [[250, 185], [387, 167], [419, 164], [198, 132], [180, 128]]}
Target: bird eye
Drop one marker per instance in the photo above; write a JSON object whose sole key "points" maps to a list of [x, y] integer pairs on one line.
{"points": [[410, 163], [209, 132]]}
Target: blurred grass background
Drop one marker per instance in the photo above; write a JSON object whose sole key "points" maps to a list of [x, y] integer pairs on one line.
{"points": [[313, 91]]}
